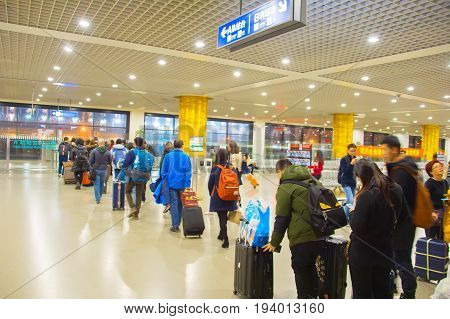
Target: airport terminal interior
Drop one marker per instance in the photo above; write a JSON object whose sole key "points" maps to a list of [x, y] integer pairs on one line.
{"points": [[350, 72]]}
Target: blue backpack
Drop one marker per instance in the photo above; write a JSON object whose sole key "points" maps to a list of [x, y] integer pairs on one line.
{"points": [[119, 157], [142, 166]]}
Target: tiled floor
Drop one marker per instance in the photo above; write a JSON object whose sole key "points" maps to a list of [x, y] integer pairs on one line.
{"points": [[57, 243]]}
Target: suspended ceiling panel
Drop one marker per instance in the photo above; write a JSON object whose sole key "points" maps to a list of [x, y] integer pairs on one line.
{"points": [[335, 34]]}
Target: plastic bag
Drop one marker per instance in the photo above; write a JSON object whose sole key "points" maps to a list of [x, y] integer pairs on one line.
{"points": [[256, 230], [442, 290]]}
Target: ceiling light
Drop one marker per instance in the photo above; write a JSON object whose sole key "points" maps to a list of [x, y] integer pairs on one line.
{"points": [[83, 23], [356, 121], [115, 86], [285, 61], [131, 103], [165, 110], [376, 123], [215, 111], [40, 95], [306, 119], [356, 94], [274, 116], [417, 131], [196, 85], [56, 68], [308, 100], [88, 99], [308, 107], [394, 119], [312, 86], [132, 77], [199, 44], [407, 114], [98, 94], [379, 130], [394, 131], [373, 39], [119, 106], [365, 78], [44, 89], [237, 74], [266, 111], [422, 106], [253, 117], [226, 115], [68, 49], [403, 129], [50, 79], [387, 127], [430, 117], [410, 88], [415, 122], [80, 103], [232, 108], [394, 101], [446, 97], [264, 93], [367, 125], [273, 103], [246, 113], [343, 105], [162, 62], [325, 124], [374, 109], [38, 100], [328, 122], [284, 121]]}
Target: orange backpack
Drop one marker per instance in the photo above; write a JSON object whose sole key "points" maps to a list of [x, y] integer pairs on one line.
{"points": [[228, 186]]}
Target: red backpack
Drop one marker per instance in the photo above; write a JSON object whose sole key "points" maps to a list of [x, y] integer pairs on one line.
{"points": [[228, 186]]}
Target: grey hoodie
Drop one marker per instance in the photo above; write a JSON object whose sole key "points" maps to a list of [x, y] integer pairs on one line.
{"points": [[115, 149]]}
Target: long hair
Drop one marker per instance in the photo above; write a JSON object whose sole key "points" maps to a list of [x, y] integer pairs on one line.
{"points": [[370, 173], [234, 148], [221, 157], [319, 156]]}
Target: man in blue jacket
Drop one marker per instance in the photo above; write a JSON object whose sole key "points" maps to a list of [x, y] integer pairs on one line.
{"points": [[346, 176], [177, 172]]}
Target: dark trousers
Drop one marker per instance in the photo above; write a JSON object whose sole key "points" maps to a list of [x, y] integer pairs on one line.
{"points": [[434, 232], [304, 265], [129, 191], [371, 281], [62, 159], [223, 220], [406, 272], [78, 177]]}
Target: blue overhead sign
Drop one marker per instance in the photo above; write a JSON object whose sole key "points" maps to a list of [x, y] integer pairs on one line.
{"points": [[268, 20]]}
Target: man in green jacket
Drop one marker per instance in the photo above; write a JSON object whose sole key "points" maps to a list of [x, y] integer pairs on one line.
{"points": [[292, 214]]}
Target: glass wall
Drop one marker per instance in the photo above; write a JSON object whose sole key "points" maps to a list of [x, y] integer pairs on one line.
{"points": [[373, 139], [415, 141], [160, 128], [278, 138]]}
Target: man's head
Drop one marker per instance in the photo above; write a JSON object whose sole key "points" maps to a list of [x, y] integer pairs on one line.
{"points": [[281, 166], [66, 139], [139, 141], [101, 143], [391, 148], [351, 149], [119, 141], [178, 144]]}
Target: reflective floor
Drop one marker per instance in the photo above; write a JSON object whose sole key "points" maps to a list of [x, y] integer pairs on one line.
{"points": [[55, 242]]}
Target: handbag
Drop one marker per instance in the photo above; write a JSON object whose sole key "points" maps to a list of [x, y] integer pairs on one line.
{"points": [[235, 217]]}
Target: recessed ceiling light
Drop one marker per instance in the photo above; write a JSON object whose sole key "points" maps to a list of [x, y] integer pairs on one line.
{"points": [[115, 86], [266, 111], [430, 117], [131, 103], [199, 44], [80, 103], [40, 95], [367, 125], [226, 115], [365, 78], [284, 121], [246, 113], [387, 127], [264, 93], [274, 116], [84, 23], [415, 122], [379, 130], [306, 119], [196, 84], [273, 103], [417, 131], [373, 39], [253, 117], [328, 122], [119, 106], [56, 68], [38, 100], [422, 106], [407, 114], [232, 108], [394, 101], [394, 119], [374, 109], [312, 86], [376, 123], [343, 105], [44, 89], [165, 110], [394, 131], [446, 97], [88, 99], [356, 94], [410, 88], [285, 61], [215, 111], [132, 77], [325, 124], [162, 62], [356, 121], [308, 100], [237, 74], [308, 107], [98, 94], [68, 49], [403, 129]]}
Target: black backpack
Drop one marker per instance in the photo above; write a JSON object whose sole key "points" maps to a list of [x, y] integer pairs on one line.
{"points": [[327, 213]]}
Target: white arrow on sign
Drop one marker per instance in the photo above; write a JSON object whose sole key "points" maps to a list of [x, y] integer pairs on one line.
{"points": [[224, 32], [282, 6]]}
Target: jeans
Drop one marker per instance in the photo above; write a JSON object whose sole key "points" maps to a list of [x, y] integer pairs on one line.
{"points": [[304, 265], [406, 272], [99, 183], [350, 196], [62, 159], [176, 207], [129, 193], [223, 219]]}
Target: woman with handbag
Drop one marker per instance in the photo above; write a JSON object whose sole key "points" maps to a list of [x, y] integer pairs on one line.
{"points": [[217, 204], [438, 187]]}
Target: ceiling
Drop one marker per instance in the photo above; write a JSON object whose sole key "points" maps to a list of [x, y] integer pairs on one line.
{"points": [[331, 52]]}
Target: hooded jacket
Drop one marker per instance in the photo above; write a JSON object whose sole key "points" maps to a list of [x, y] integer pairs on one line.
{"points": [[118, 148], [100, 158], [405, 230], [292, 212], [79, 156]]}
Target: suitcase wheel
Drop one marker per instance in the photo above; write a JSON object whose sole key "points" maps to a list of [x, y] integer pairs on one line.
{"points": [[235, 292]]}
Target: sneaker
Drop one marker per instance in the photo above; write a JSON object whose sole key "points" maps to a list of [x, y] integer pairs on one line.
{"points": [[59, 175], [220, 237], [174, 229], [226, 244], [166, 209], [98, 202], [78, 186]]}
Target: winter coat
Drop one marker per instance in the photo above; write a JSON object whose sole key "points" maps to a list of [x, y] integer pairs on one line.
{"points": [[80, 159], [292, 212], [236, 161], [216, 204], [100, 158], [117, 148], [405, 230], [177, 169], [346, 170]]}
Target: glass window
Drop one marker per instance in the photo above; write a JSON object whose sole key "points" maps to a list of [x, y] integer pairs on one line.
{"points": [[159, 130], [110, 119], [373, 139], [75, 118], [415, 141], [8, 113]]}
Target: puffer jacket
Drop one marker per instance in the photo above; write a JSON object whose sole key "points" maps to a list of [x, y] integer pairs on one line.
{"points": [[292, 212], [100, 158], [80, 159]]}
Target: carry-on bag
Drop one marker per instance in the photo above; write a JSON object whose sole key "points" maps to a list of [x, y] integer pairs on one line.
{"points": [[431, 259], [251, 178], [68, 175], [253, 272], [193, 223], [189, 198], [118, 196], [331, 267], [85, 181]]}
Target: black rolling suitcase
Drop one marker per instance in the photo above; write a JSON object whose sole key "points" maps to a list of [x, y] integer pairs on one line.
{"points": [[193, 223], [253, 272], [118, 196], [332, 268]]}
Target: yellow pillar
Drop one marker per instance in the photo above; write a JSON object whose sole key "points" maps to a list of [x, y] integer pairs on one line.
{"points": [[430, 141], [192, 121], [342, 133]]}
